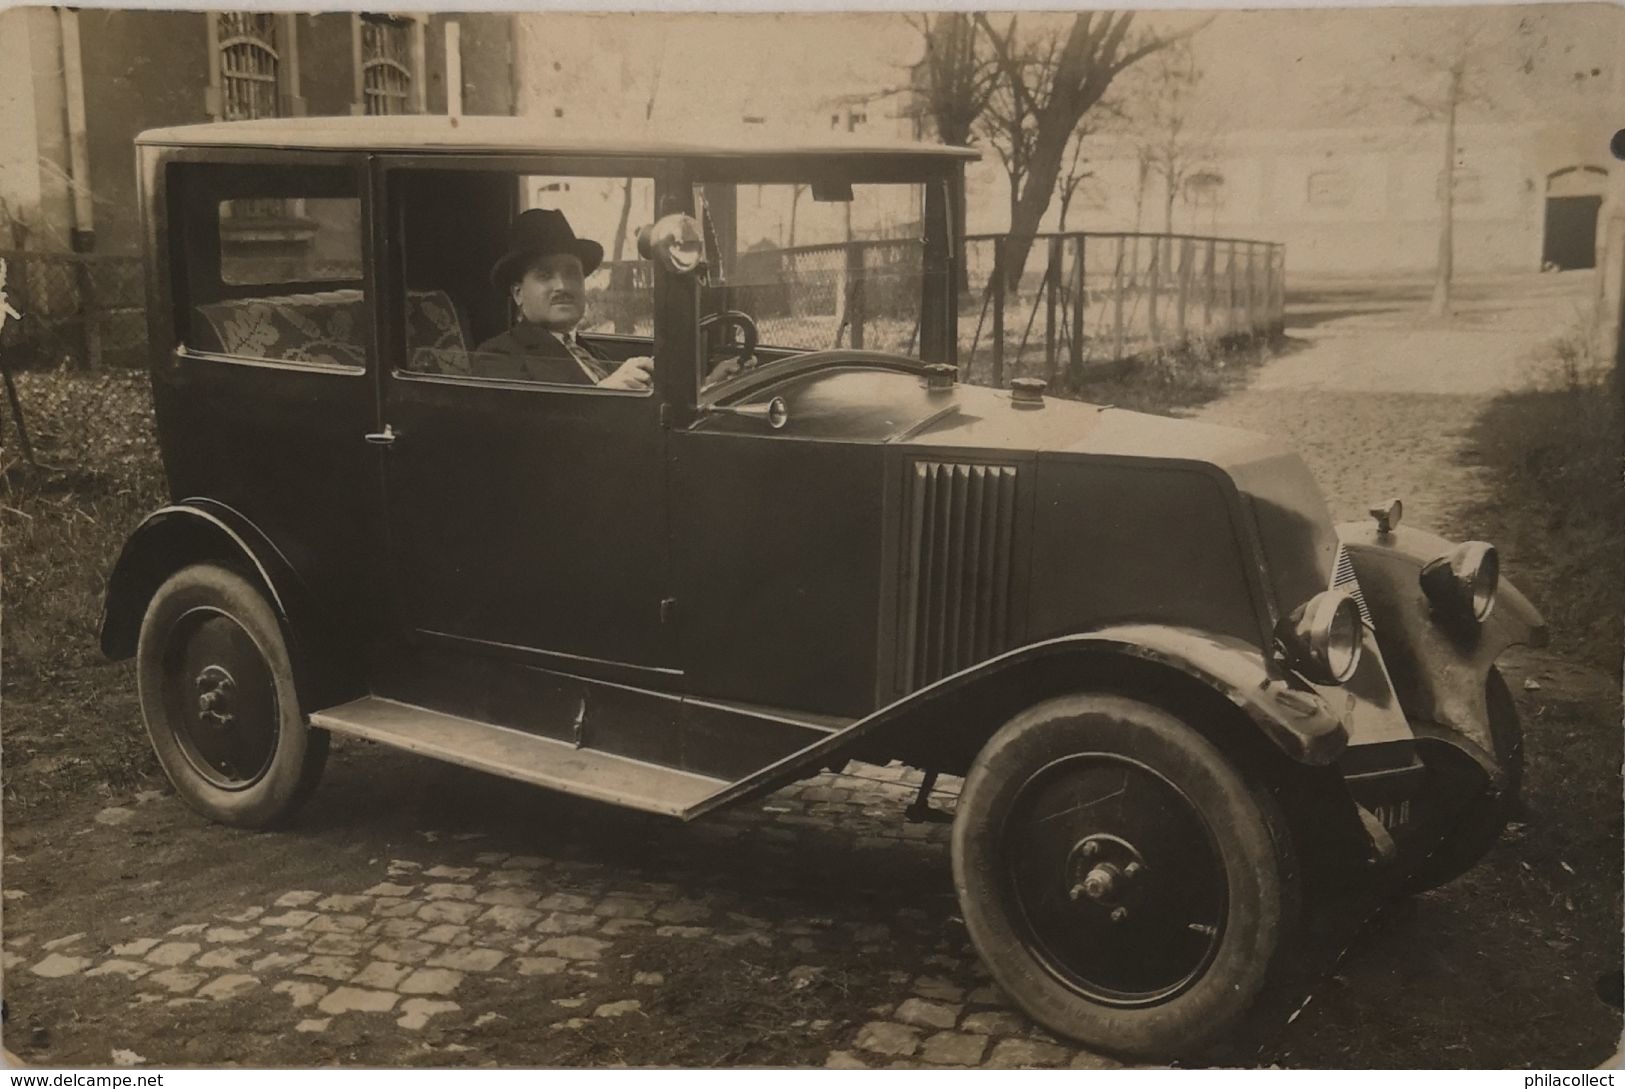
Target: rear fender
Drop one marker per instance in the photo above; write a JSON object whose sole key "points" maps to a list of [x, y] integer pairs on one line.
{"points": [[204, 531], [1438, 669], [946, 723]]}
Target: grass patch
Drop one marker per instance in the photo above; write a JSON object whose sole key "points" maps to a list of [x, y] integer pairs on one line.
{"points": [[1174, 381], [71, 720], [1555, 453]]}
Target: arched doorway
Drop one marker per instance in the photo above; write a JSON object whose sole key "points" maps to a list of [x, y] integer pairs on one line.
{"points": [[1573, 200]]}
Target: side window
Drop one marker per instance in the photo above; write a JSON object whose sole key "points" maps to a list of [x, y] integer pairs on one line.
{"points": [[527, 278], [272, 264]]}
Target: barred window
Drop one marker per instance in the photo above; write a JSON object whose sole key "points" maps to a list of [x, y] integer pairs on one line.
{"points": [[386, 52], [1330, 188], [249, 64]]}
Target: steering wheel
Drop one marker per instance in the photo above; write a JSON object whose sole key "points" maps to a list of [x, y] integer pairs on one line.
{"points": [[731, 320]]}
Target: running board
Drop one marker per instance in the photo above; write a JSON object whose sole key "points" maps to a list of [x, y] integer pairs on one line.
{"points": [[512, 754]]}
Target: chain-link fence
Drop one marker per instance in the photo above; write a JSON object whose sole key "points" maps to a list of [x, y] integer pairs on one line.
{"points": [[1087, 299], [1082, 300], [87, 309], [860, 294]]}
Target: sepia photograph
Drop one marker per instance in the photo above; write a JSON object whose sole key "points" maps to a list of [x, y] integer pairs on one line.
{"points": [[929, 540]]}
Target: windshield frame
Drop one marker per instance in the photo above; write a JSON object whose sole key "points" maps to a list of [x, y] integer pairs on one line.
{"points": [[942, 183]]}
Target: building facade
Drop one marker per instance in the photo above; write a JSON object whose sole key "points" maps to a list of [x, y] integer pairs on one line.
{"points": [[76, 87]]}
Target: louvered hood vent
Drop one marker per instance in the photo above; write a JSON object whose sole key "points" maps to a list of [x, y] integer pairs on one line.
{"points": [[956, 585], [1343, 579]]}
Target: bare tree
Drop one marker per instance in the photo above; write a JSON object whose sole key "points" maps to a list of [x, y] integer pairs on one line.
{"points": [[957, 77], [1008, 121], [1438, 76], [1094, 50], [1074, 173], [1168, 139], [1455, 62]]}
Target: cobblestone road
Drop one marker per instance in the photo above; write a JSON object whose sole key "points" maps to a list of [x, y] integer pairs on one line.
{"points": [[424, 915]]}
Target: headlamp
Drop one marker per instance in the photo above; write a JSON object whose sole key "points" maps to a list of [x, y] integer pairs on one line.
{"points": [[1461, 584], [1321, 638]]}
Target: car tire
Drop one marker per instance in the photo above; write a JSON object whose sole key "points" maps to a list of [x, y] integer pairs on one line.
{"points": [[1476, 828], [1152, 966], [217, 692]]}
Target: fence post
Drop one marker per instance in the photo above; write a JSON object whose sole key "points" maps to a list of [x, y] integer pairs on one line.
{"points": [[84, 289], [1079, 308], [855, 285], [1052, 290], [1117, 300], [1252, 290], [1229, 291], [1156, 293], [1184, 284], [998, 311], [1278, 311], [1209, 285]]}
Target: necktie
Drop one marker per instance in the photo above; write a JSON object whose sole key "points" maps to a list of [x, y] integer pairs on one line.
{"points": [[592, 366]]}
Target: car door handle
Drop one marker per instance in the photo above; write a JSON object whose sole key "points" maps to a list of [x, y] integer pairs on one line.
{"points": [[386, 437]]}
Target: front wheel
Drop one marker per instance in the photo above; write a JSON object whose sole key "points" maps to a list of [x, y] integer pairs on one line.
{"points": [[1122, 880], [217, 693]]}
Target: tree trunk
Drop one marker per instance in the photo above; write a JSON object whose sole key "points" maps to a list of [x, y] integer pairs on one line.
{"points": [[1168, 205], [1043, 170], [1445, 269], [620, 276]]}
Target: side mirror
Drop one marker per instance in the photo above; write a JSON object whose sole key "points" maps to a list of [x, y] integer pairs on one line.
{"points": [[676, 242]]}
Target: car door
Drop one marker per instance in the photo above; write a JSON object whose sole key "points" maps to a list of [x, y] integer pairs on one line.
{"points": [[521, 515]]}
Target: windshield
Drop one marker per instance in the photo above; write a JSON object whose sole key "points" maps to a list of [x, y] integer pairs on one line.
{"points": [[818, 266]]}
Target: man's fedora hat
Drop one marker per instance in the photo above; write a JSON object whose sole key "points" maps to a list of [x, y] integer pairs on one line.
{"points": [[539, 232]]}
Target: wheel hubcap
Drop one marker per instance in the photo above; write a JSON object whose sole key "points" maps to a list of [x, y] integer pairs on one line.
{"points": [[220, 699], [1114, 879]]}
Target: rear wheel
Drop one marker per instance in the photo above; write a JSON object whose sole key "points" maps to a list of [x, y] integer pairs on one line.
{"points": [[1122, 880], [217, 693]]}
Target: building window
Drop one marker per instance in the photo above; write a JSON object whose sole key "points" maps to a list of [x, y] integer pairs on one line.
{"points": [[1329, 189], [1204, 189], [249, 62], [386, 64]]}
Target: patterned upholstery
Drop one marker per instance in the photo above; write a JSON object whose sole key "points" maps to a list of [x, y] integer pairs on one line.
{"points": [[326, 327], [435, 341], [329, 327]]}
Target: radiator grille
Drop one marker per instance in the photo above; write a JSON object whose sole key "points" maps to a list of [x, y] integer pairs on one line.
{"points": [[1343, 579], [956, 582]]}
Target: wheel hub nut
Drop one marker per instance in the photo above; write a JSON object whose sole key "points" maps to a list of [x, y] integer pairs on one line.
{"points": [[1101, 881], [215, 688]]}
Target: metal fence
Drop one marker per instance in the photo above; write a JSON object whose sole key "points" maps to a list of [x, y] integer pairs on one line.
{"points": [[86, 309], [1082, 300], [1087, 299]]}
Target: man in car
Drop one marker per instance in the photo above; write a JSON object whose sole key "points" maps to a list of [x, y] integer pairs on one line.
{"points": [[545, 272]]}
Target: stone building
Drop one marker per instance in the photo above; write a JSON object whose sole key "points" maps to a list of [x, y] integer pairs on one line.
{"points": [[76, 86]]}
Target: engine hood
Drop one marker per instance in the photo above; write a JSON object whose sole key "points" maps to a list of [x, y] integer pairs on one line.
{"points": [[1170, 484], [854, 399]]}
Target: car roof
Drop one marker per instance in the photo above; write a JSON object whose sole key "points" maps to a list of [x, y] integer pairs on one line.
{"points": [[435, 132]]}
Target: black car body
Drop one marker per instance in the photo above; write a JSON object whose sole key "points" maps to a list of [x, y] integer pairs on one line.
{"points": [[1171, 681]]}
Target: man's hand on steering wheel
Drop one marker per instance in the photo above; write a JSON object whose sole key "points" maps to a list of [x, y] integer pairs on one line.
{"points": [[729, 357]]}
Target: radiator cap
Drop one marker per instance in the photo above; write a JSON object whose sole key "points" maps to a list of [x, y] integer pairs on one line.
{"points": [[1027, 392], [940, 376]]}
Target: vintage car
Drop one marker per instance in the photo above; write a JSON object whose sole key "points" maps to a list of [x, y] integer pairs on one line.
{"points": [[1177, 693]]}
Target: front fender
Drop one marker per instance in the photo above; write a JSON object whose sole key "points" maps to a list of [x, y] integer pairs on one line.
{"points": [[1296, 720], [204, 531], [1438, 670]]}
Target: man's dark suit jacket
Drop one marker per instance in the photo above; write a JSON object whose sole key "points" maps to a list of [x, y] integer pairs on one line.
{"points": [[529, 353]]}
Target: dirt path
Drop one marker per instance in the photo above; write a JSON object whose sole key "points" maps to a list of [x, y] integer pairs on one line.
{"points": [[422, 915], [1501, 967]]}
